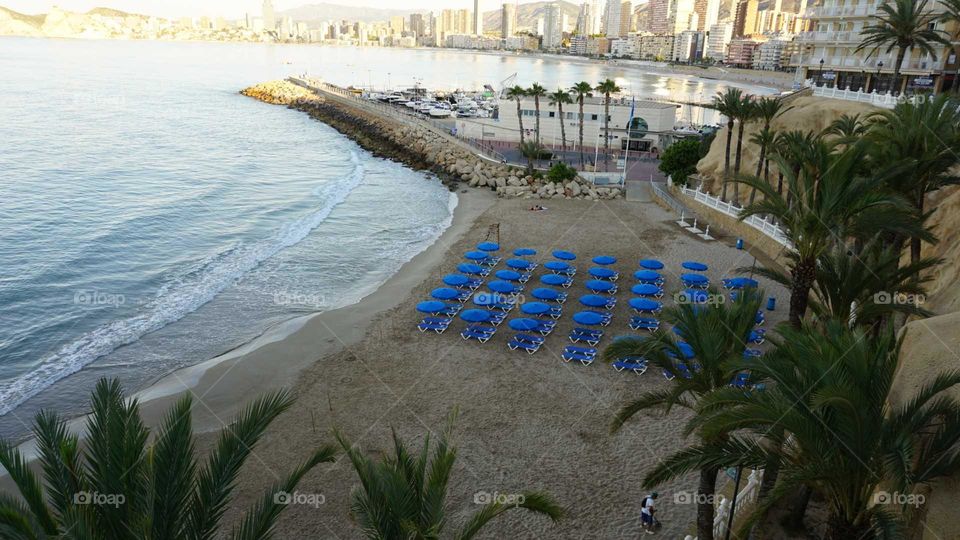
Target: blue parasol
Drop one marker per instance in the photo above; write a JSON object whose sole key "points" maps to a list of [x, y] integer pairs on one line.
{"points": [[604, 259], [685, 349], [475, 315], [695, 296], [486, 299], [694, 278], [651, 264], [588, 318], [488, 246], [534, 308], [475, 255], [508, 275], [545, 294], [564, 255], [553, 279], [455, 280], [444, 293], [602, 273], [644, 304], [431, 306], [593, 300], [558, 266], [646, 289], [647, 275], [470, 268], [600, 285], [519, 263], [502, 287], [740, 282], [695, 266], [524, 252], [524, 325]]}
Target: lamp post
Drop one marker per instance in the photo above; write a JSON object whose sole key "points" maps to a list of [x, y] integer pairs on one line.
{"points": [[863, 80], [820, 73]]}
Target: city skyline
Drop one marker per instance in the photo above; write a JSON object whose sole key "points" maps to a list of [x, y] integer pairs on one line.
{"points": [[227, 8]]}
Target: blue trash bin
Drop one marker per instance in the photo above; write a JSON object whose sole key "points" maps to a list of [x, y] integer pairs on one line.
{"points": [[739, 243], [771, 303]]}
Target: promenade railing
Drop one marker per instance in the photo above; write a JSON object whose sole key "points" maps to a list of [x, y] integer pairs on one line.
{"points": [[745, 497], [886, 100], [767, 227]]}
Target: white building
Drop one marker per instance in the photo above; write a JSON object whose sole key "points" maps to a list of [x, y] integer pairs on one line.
{"points": [[552, 26], [688, 46], [717, 41], [613, 18], [508, 20], [659, 118], [477, 19], [624, 47], [772, 54], [596, 16]]}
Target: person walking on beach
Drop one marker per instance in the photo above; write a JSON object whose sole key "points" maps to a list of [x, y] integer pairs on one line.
{"points": [[647, 520]]}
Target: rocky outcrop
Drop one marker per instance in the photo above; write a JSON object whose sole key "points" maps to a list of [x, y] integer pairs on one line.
{"points": [[422, 148]]}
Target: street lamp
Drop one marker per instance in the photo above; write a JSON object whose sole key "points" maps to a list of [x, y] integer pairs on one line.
{"points": [[820, 73], [876, 85]]}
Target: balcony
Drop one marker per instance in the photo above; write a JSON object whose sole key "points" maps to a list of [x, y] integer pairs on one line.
{"points": [[827, 12], [843, 36]]}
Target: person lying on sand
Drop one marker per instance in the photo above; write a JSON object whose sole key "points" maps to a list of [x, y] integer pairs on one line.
{"points": [[537, 208]]}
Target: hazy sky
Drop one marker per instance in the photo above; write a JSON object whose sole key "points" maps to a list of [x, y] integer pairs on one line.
{"points": [[230, 8]]}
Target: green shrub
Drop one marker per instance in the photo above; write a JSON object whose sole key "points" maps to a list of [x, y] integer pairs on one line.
{"points": [[561, 172], [679, 160]]}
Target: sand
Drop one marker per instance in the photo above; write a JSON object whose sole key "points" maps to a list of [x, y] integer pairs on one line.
{"points": [[526, 422]]}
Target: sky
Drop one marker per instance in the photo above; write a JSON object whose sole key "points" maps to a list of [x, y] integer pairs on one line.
{"points": [[231, 8]]}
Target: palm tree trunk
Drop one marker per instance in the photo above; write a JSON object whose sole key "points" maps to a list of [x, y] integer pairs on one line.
{"points": [[804, 274], [705, 511], [726, 161], [798, 510], [520, 119], [780, 182], [763, 151], [606, 132], [839, 528], [563, 129], [581, 132], [901, 52], [536, 105], [915, 241], [736, 164]]}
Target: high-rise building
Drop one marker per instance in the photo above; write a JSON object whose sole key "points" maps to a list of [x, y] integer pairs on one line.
{"points": [[745, 19], [720, 36], [269, 16], [584, 22], [508, 20], [396, 25], [626, 17], [477, 19], [597, 8], [613, 18], [708, 13], [418, 25], [552, 26], [660, 11], [683, 17]]}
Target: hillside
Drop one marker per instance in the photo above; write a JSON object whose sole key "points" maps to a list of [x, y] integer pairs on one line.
{"points": [[315, 13], [527, 15]]}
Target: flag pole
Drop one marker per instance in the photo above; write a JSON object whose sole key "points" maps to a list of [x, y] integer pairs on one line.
{"points": [[626, 153]]}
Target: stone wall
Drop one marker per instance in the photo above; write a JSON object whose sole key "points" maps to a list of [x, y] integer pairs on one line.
{"points": [[422, 148]]}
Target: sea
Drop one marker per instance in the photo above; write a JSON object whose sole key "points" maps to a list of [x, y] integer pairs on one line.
{"points": [[152, 218]]}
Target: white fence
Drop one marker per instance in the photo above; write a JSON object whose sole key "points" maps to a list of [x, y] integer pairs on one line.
{"points": [[746, 497], [762, 224], [887, 101]]}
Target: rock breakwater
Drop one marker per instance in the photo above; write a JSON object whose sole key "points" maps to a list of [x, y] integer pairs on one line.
{"points": [[422, 148]]}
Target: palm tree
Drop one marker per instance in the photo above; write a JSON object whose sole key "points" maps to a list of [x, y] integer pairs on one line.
{"points": [[558, 99], [745, 112], [117, 485], [829, 404], [765, 138], [717, 337], [536, 92], [766, 109], [794, 148], [902, 25], [582, 90], [517, 93], [830, 200], [923, 139], [726, 103], [606, 88], [847, 129], [404, 494]]}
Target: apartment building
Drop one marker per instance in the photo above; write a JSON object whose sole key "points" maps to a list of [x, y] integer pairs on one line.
{"points": [[827, 51], [717, 41], [656, 46], [740, 52]]}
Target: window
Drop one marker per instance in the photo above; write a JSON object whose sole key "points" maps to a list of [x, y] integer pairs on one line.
{"points": [[594, 117], [553, 114]]}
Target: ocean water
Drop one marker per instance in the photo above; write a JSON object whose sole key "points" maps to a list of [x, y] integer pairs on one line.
{"points": [[152, 218]]}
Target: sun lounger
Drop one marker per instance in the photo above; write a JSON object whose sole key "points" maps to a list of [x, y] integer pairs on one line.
{"points": [[636, 364], [741, 380], [606, 315], [436, 324], [579, 335], [644, 323], [529, 343], [584, 355], [546, 327], [757, 336], [497, 317], [695, 284], [478, 332], [752, 353], [452, 310], [555, 312], [761, 318]]}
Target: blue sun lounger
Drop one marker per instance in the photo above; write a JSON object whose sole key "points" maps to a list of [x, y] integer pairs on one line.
{"points": [[529, 343], [584, 355], [497, 317], [555, 312], [437, 324], [757, 336], [682, 368], [636, 364], [478, 332], [546, 327], [606, 316], [741, 380], [452, 309], [644, 323], [761, 318], [752, 353], [590, 337]]}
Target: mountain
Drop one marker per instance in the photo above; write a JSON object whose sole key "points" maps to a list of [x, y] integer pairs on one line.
{"points": [[527, 15], [314, 13]]}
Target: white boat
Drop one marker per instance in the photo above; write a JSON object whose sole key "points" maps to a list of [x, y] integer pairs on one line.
{"points": [[442, 110]]}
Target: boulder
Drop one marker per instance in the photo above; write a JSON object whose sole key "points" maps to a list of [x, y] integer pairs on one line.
{"points": [[500, 182]]}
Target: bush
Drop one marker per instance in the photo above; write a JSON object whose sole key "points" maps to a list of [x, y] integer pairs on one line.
{"points": [[679, 161], [560, 173]]}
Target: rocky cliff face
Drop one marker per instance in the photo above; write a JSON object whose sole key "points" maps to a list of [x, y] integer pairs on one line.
{"points": [[423, 149]]}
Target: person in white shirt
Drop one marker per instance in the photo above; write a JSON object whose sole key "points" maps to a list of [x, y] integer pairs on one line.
{"points": [[646, 512]]}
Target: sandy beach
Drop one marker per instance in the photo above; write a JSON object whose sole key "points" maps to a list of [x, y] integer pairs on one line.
{"points": [[526, 422]]}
